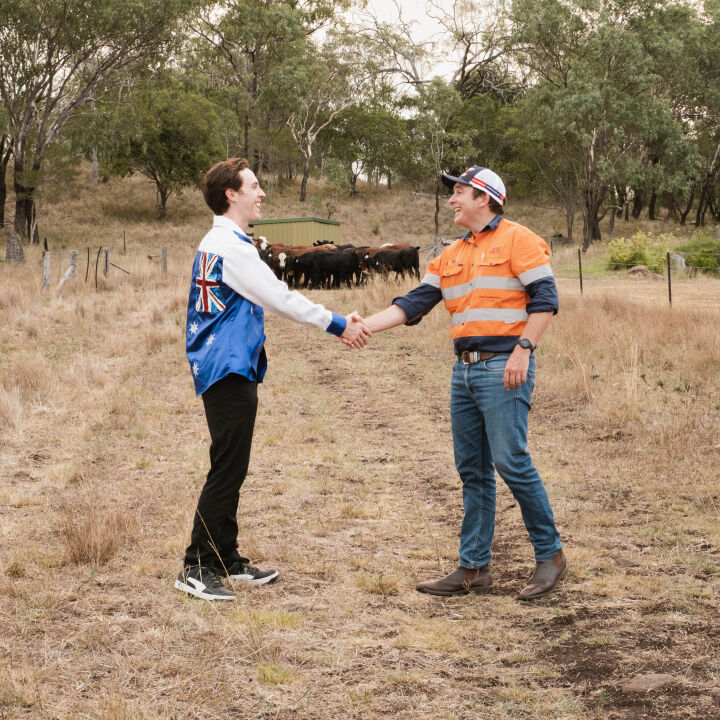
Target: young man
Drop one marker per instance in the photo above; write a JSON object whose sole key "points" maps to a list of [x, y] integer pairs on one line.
{"points": [[498, 286], [225, 339]]}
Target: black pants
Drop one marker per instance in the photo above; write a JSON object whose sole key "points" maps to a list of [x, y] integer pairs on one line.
{"points": [[230, 408]]}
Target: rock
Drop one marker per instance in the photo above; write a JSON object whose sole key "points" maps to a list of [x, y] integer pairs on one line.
{"points": [[646, 683], [678, 261], [625, 562], [644, 271]]}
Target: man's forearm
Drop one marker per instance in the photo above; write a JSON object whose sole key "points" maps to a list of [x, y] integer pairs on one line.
{"points": [[536, 325], [385, 319]]}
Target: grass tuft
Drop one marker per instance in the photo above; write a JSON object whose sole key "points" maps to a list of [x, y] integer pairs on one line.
{"points": [[93, 535]]}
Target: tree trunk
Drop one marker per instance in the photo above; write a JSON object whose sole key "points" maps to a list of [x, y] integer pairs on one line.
{"points": [[306, 175], [95, 175], [569, 222], [684, 213], [246, 137], [702, 204], [25, 212], [437, 203], [638, 203], [592, 199], [651, 205], [389, 177], [5, 153], [161, 203], [622, 196], [13, 250]]}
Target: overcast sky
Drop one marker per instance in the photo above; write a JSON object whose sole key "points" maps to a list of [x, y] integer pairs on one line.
{"points": [[424, 28]]}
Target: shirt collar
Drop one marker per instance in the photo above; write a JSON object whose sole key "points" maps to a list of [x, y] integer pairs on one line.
{"points": [[226, 222], [492, 225]]}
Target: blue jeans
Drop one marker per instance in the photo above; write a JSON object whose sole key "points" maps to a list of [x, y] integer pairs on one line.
{"points": [[489, 428]]}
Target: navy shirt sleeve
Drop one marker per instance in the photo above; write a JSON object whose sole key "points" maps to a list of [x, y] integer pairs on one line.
{"points": [[543, 296]]}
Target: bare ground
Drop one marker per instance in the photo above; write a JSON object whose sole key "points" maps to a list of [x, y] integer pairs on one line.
{"points": [[353, 496]]}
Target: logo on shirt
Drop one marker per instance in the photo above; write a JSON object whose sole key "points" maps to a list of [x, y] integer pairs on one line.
{"points": [[210, 298]]}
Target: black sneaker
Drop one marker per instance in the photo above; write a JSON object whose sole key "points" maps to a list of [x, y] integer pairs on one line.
{"points": [[248, 573], [202, 583]]}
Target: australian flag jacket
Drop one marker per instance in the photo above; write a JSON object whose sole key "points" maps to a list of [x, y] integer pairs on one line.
{"points": [[229, 289]]}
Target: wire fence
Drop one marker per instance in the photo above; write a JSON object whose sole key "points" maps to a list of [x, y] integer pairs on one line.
{"points": [[94, 266], [91, 265]]}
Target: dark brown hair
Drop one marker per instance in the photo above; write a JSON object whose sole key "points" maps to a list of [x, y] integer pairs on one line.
{"points": [[494, 205], [220, 177]]}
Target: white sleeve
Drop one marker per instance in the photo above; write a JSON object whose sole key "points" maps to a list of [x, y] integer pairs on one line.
{"points": [[248, 275]]}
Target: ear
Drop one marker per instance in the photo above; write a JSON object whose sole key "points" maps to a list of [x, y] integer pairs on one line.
{"points": [[230, 195]]}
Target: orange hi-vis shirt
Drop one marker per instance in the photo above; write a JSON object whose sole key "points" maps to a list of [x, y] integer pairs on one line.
{"points": [[490, 283]]}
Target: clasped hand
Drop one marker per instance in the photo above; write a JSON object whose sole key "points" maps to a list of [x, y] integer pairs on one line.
{"points": [[356, 333]]}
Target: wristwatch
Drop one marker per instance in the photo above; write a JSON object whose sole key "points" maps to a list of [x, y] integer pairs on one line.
{"points": [[525, 343]]}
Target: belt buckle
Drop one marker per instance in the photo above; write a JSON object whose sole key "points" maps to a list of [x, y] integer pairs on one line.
{"points": [[466, 357]]}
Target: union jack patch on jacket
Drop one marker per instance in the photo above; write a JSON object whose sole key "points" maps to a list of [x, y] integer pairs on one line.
{"points": [[210, 296]]}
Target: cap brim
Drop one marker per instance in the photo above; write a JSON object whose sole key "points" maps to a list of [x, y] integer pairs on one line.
{"points": [[449, 181]]}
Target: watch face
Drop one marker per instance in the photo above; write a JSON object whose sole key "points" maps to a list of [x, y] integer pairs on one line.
{"points": [[525, 343]]}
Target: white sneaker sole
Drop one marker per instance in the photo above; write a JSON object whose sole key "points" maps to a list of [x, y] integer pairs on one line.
{"points": [[253, 581], [190, 590]]}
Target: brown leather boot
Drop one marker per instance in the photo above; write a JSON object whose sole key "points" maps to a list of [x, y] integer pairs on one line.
{"points": [[460, 581], [545, 578]]}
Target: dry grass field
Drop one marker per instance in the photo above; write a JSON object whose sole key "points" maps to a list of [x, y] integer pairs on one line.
{"points": [[352, 495]]}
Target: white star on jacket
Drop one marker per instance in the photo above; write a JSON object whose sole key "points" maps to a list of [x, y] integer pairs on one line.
{"points": [[193, 328], [210, 340], [195, 369]]}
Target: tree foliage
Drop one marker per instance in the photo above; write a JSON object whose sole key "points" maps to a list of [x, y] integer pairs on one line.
{"points": [[164, 131]]}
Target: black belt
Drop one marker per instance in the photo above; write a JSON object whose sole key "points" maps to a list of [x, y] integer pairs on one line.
{"points": [[470, 357]]}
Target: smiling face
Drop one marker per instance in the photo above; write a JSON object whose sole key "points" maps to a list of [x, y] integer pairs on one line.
{"points": [[470, 212], [245, 203]]}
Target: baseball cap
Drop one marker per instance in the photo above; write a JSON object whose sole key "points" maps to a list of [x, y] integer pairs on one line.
{"points": [[480, 178]]}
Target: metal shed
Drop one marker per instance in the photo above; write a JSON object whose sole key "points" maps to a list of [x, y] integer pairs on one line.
{"points": [[297, 231]]}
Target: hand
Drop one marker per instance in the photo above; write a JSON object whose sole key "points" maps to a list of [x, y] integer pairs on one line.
{"points": [[516, 368], [356, 333]]}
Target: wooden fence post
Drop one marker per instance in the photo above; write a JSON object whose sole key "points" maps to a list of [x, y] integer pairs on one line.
{"points": [[106, 261], [46, 269], [669, 279], [580, 270], [71, 272], [163, 260], [73, 265]]}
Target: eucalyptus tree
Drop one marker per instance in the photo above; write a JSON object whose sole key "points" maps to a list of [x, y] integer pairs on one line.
{"points": [[52, 57], [244, 45], [320, 87], [594, 62], [436, 144], [6, 146], [162, 130]]}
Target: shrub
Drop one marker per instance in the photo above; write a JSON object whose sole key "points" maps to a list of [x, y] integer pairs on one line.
{"points": [[703, 254], [640, 249]]}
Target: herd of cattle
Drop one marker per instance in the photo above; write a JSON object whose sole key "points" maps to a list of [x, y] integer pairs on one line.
{"points": [[326, 265]]}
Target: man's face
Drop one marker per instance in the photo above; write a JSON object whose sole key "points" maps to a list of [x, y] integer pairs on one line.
{"points": [[246, 201], [467, 209]]}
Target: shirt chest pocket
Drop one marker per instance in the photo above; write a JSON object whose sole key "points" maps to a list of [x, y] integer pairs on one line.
{"points": [[492, 259], [452, 284]]}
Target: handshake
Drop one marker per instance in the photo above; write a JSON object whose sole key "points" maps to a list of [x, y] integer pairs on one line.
{"points": [[357, 333]]}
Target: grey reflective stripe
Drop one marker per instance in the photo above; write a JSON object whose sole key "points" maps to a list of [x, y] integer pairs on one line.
{"points": [[482, 283], [530, 276], [431, 279], [505, 315]]}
